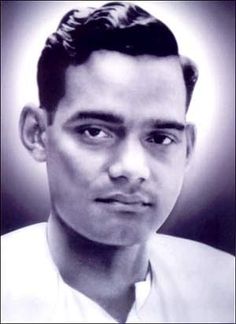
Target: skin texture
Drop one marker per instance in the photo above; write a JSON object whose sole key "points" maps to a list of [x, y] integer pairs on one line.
{"points": [[116, 155], [117, 158]]}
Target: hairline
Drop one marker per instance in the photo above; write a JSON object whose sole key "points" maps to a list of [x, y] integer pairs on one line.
{"points": [[51, 113]]}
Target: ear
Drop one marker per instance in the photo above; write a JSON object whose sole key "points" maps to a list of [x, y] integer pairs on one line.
{"points": [[33, 132], [190, 141]]}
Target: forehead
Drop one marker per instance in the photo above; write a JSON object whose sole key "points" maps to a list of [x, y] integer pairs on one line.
{"points": [[112, 80]]}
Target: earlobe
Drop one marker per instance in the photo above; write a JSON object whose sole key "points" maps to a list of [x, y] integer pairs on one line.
{"points": [[190, 141], [32, 132]]}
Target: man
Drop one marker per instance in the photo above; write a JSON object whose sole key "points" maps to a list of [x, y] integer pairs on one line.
{"points": [[113, 93]]}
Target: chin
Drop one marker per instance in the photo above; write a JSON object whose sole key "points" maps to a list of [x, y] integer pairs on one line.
{"points": [[126, 237]]}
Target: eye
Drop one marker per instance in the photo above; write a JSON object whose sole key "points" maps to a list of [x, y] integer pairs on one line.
{"points": [[160, 139], [94, 132]]}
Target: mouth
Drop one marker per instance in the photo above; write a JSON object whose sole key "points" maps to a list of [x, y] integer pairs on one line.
{"points": [[128, 203]]}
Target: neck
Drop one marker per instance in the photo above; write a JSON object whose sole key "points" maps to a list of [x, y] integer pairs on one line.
{"points": [[93, 268]]}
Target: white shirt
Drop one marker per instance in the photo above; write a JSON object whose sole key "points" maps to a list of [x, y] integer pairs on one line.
{"points": [[74, 307], [189, 283]]}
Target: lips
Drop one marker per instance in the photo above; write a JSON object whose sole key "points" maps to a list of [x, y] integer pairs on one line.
{"points": [[118, 199]]}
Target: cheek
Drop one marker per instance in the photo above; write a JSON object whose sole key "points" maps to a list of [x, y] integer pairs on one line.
{"points": [[72, 164], [170, 175]]}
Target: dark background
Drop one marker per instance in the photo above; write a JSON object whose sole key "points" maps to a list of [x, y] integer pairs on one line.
{"points": [[205, 210]]}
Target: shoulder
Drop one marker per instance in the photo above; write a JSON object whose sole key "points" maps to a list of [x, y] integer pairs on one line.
{"points": [[22, 235], [28, 275], [174, 244], [193, 258], [189, 252], [25, 249], [202, 274], [24, 244], [24, 252]]}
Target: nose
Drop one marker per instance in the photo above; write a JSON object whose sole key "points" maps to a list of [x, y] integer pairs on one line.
{"points": [[130, 163]]}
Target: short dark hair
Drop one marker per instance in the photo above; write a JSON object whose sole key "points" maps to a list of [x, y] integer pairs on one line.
{"points": [[116, 26]]}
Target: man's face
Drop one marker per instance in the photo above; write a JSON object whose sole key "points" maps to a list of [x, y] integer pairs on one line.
{"points": [[116, 151]]}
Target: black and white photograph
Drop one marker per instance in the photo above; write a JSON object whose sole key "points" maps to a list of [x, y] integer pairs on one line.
{"points": [[118, 161]]}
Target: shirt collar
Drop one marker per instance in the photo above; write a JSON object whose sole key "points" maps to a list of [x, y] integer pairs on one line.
{"points": [[142, 289]]}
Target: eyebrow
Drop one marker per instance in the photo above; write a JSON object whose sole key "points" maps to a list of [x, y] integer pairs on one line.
{"points": [[156, 123], [119, 120], [99, 115]]}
